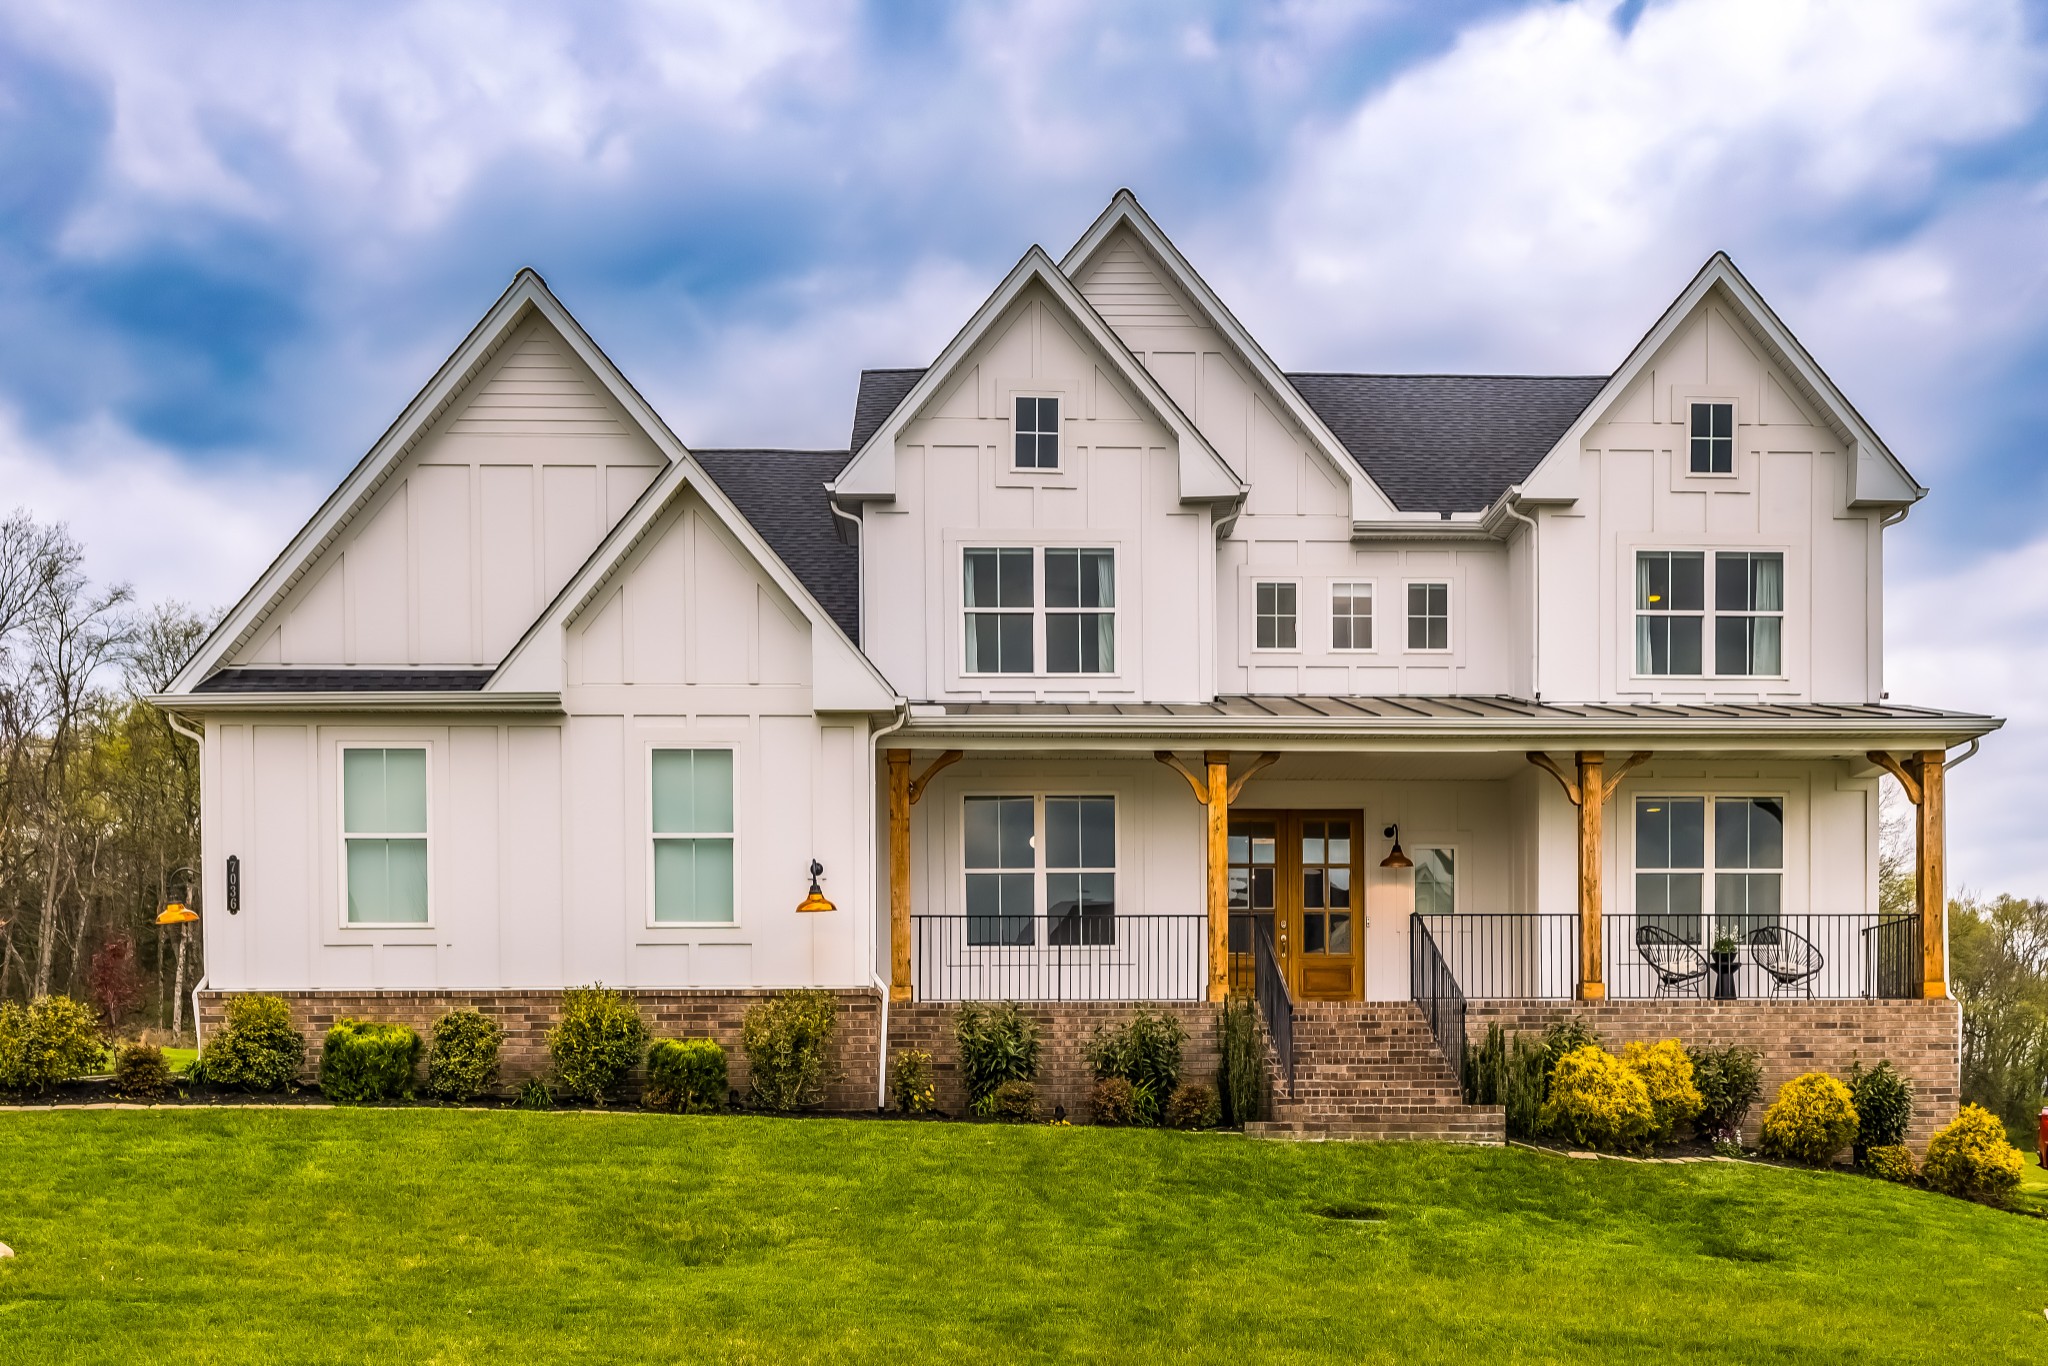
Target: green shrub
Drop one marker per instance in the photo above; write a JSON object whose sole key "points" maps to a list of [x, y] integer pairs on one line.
{"points": [[1015, 1101], [259, 1048], [1508, 1071], [1811, 1120], [462, 1063], [998, 1043], [596, 1042], [1667, 1075], [535, 1096], [1971, 1157], [912, 1082], [1730, 1080], [785, 1038], [363, 1060], [1891, 1162], [1564, 1036], [1884, 1106], [141, 1073], [1193, 1105], [1244, 1085], [1145, 1051], [1596, 1102], [1112, 1103], [47, 1042], [685, 1076]]}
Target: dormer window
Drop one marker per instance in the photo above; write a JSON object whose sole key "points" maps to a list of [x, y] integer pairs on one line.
{"points": [[1038, 433], [1713, 438]]}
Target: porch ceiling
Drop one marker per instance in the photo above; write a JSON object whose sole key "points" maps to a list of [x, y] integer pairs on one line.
{"points": [[1478, 724]]}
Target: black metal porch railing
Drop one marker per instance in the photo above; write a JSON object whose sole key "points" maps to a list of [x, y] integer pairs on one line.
{"points": [[1060, 957], [1435, 989], [1505, 956], [1276, 1006]]}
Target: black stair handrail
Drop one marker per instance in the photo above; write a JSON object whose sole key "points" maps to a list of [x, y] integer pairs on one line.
{"points": [[1436, 992], [1276, 1007]]}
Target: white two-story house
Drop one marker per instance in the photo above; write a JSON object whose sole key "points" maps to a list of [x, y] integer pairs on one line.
{"points": [[1108, 663]]}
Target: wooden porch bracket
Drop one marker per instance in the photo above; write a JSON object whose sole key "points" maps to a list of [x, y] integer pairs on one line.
{"points": [[1214, 790], [1924, 778], [1589, 792], [904, 793]]}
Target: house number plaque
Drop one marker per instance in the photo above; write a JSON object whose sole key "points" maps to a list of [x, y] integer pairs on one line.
{"points": [[234, 883]]}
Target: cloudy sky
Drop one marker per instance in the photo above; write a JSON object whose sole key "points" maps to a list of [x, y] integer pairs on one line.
{"points": [[234, 240]]}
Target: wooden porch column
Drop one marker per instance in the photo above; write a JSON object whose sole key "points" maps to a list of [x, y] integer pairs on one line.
{"points": [[904, 792], [1215, 791], [1589, 793], [1924, 778]]}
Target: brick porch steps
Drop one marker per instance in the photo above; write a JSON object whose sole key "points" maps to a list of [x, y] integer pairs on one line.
{"points": [[1372, 1071]]}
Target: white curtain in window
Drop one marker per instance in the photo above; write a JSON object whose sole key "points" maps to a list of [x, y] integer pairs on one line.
{"points": [[1105, 624]]}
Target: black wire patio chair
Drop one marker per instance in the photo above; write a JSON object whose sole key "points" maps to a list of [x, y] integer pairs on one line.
{"points": [[1678, 962], [1790, 960]]}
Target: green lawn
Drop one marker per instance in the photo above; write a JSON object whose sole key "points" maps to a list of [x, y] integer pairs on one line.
{"points": [[451, 1236]]}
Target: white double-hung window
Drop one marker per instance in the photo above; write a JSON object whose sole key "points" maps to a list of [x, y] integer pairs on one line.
{"points": [[1351, 616], [1673, 611], [384, 835], [1005, 623], [1689, 884], [1035, 861], [690, 810]]}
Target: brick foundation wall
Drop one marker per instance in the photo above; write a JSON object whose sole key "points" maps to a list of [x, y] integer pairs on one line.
{"points": [[526, 1017], [1064, 1027], [1921, 1038]]}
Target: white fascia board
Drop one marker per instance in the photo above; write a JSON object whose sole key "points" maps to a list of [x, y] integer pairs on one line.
{"points": [[843, 679], [527, 290], [1205, 476], [1879, 479], [1369, 502]]}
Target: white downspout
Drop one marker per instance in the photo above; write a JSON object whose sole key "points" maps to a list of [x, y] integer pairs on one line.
{"points": [[197, 738], [875, 973], [1535, 597]]}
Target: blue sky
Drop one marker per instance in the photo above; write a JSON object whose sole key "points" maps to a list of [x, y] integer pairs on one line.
{"points": [[234, 240]]}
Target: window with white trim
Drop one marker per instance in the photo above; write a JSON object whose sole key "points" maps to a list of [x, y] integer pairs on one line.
{"points": [[1748, 613], [1038, 433], [1675, 862], [1005, 624], [690, 811], [1429, 616], [1436, 881], [1273, 610], [1040, 860], [1351, 616], [384, 835], [1713, 438]]}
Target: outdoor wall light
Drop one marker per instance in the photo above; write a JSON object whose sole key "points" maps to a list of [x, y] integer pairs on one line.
{"points": [[1395, 858], [817, 900]]}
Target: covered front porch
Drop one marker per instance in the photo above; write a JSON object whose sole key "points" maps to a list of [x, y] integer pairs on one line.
{"points": [[1434, 850]]}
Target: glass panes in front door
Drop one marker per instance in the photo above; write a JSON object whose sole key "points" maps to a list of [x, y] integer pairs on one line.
{"points": [[1295, 873], [1326, 886]]}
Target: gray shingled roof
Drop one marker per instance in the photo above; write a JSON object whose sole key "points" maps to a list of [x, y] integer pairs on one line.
{"points": [[1447, 443], [1435, 443], [783, 494], [343, 680]]}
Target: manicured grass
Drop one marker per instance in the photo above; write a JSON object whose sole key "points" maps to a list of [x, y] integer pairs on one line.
{"points": [[457, 1236]]}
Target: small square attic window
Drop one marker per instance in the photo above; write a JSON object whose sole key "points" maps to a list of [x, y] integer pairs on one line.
{"points": [[1713, 438], [1038, 433]]}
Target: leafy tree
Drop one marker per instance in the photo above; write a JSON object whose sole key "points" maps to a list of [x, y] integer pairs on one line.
{"points": [[1999, 971]]}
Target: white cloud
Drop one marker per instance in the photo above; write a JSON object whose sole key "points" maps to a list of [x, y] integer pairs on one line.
{"points": [[147, 518]]}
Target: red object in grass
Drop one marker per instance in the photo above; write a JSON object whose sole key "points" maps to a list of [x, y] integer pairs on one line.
{"points": [[2041, 1150]]}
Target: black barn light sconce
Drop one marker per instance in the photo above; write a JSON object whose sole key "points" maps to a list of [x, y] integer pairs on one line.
{"points": [[1395, 858]]}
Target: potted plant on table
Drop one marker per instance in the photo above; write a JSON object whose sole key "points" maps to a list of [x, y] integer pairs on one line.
{"points": [[1725, 958]]}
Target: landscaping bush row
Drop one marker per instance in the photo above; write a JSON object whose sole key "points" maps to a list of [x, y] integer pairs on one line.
{"points": [[1565, 1086]]}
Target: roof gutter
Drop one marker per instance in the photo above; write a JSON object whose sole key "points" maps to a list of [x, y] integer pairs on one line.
{"points": [[464, 701]]}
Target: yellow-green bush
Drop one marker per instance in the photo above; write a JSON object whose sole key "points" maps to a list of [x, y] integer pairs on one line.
{"points": [[913, 1083], [47, 1042], [1891, 1162], [1596, 1102], [1971, 1157], [1812, 1119], [1667, 1075]]}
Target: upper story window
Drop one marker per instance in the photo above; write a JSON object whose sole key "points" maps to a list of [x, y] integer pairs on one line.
{"points": [[1273, 606], [1351, 616], [1748, 613], [1080, 611], [1002, 611], [1429, 616], [691, 824], [1713, 438], [384, 835], [1038, 433]]}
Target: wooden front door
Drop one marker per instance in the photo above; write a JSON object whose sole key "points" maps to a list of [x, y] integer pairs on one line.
{"points": [[1297, 872]]}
